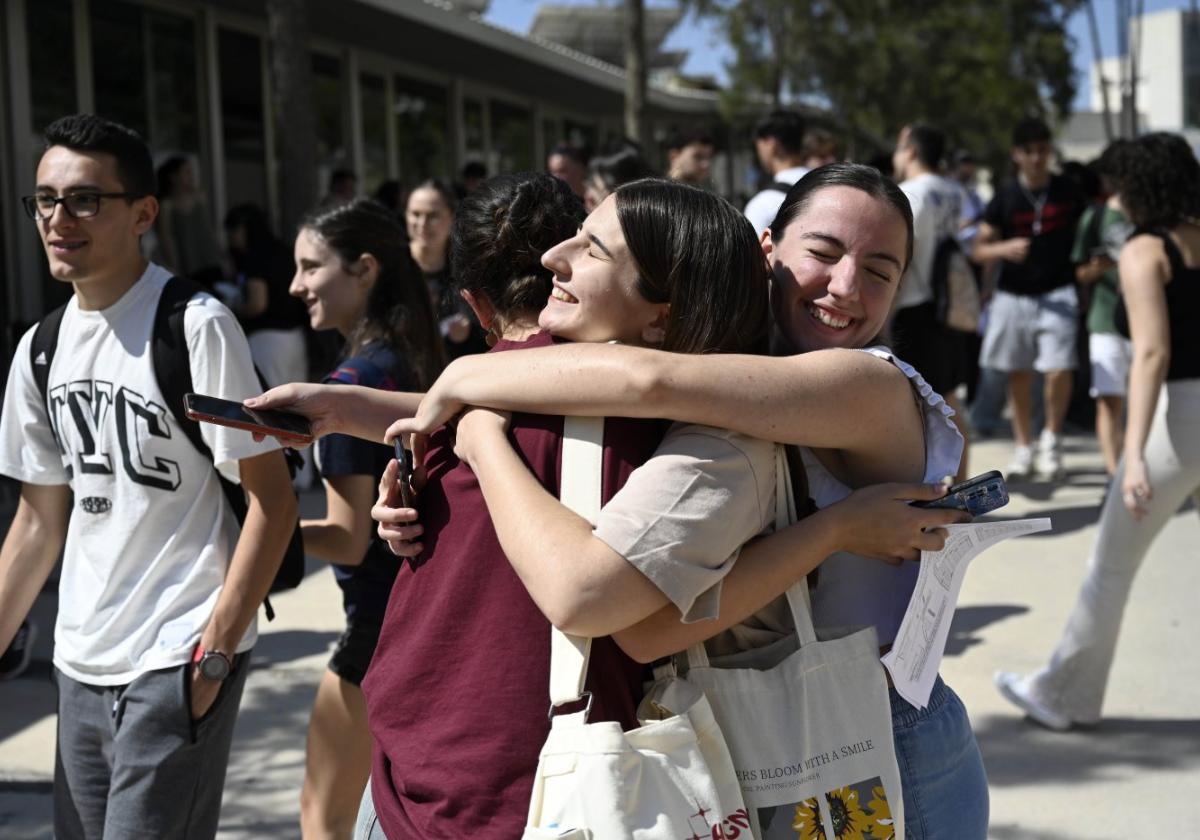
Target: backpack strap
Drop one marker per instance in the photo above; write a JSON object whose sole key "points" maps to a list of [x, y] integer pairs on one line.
{"points": [[173, 371], [41, 356], [782, 186], [169, 354]]}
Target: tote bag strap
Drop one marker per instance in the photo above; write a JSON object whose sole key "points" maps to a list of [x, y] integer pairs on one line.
{"points": [[582, 463], [797, 594]]}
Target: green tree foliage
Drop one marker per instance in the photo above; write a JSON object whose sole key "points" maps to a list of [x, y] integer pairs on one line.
{"points": [[973, 67]]}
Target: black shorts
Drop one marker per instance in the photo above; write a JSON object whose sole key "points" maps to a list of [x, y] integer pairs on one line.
{"points": [[354, 650], [939, 353]]}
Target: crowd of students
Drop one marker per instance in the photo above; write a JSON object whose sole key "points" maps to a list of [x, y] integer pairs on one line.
{"points": [[705, 336]]}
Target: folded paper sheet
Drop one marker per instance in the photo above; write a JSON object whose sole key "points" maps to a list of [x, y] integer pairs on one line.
{"points": [[916, 655]]}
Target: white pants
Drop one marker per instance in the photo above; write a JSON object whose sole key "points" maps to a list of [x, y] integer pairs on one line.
{"points": [[1074, 681]]}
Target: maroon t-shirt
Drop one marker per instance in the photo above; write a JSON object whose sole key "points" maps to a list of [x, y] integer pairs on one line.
{"points": [[458, 689]]}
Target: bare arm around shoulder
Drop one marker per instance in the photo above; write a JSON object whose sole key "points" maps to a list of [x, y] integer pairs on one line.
{"points": [[31, 548], [579, 583], [345, 409], [343, 534], [875, 522], [828, 399], [266, 531]]}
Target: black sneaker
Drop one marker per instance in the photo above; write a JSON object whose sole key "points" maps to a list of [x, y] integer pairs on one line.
{"points": [[16, 659]]}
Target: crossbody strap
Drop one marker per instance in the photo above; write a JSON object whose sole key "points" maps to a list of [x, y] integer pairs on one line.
{"points": [[582, 463]]}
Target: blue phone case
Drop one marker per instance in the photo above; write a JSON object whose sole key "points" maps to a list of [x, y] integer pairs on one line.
{"points": [[977, 496]]}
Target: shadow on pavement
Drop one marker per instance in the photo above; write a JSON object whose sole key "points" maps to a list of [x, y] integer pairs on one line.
{"points": [[1066, 520], [266, 765], [969, 621], [1017, 752], [289, 645]]}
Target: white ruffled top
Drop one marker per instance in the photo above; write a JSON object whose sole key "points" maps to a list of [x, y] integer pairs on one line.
{"points": [[854, 591]]}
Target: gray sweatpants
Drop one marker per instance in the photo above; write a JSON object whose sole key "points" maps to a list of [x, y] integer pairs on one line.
{"points": [[131, 762]]}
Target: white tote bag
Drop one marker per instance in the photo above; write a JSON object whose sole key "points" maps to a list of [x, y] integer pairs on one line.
{"points": [[672, 777], [808, 724]]}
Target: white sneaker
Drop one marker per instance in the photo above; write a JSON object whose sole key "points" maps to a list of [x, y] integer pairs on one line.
{"points": [[1021, 465], [1015, 691], [1049, 456]]}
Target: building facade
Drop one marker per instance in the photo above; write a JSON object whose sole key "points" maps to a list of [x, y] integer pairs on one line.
{"points": [[403, 89]]}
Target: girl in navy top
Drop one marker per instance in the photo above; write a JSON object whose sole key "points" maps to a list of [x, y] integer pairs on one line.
{"points": [[355, 274]]}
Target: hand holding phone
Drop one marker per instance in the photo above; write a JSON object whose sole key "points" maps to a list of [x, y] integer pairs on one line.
{"points": [[405, 477], [289, 427], [979, 495]]}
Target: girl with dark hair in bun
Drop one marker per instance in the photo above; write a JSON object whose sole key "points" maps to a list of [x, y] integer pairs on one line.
{"points": [[1159, 190], [355, 275]]}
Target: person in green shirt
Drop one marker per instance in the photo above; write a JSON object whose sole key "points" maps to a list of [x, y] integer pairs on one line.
{"points": [[1102, 231]]}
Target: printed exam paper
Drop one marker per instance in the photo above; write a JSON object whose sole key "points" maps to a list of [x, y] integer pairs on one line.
{"points": [[916, 655]]}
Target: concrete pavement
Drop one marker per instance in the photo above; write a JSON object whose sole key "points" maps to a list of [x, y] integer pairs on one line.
{"points": [[1137, 775]]}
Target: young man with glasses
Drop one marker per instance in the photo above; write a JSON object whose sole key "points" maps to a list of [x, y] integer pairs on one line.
{"points": [[159, 589], [1029, 226]]}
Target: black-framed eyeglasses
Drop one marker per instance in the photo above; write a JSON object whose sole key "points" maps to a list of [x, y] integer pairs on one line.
{"points": [[80, 205]]}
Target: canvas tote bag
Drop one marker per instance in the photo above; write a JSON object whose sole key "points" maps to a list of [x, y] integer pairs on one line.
{"points": [[808, 724], [669, 779]]}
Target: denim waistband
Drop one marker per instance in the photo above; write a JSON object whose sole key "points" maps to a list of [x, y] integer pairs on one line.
{"points": [[906, 714]]}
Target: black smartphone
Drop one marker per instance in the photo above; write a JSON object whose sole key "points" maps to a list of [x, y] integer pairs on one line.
{"points": [[292, 428], [404, 480], [977, 496]]}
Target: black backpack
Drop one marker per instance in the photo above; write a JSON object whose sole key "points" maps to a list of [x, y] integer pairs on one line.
{"points": [[172, 369]]}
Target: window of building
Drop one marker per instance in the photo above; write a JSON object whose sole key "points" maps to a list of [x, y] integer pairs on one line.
{"points": [[580, 135], [48, 24], [144, 73], [512, 138], [242, 118], [330, 122], [372, 94], [51, 61], [474, 134], [551, 136], [174, 98], [421, 112]]}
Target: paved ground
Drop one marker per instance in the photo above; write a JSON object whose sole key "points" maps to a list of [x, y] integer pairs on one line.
{"points": [[1138, 775]]}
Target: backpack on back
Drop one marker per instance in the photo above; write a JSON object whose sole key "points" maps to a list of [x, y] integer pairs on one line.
{"points": [[173, 372]]}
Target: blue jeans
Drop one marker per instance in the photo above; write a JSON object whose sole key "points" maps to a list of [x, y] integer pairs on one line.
{"points": [[367, 826], [941, 769]]}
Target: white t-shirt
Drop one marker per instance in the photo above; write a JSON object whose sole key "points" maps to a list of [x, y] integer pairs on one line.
{"points": [[150, 532], [936, 208], [683, 516], [761, 209]]}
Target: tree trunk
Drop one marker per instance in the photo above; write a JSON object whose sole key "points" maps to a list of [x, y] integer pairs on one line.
{"points": [[635, 73], [291, 101]]}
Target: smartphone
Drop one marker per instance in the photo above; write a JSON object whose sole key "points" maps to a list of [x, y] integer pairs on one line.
{"points": [[977, 496], [404, 480], [281, 424]]}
